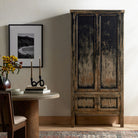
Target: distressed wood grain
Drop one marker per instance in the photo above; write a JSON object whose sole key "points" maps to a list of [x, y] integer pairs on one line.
{"points": [[109, 65], [86, 63], [109, 103]]}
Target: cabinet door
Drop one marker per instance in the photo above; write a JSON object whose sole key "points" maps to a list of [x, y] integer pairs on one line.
{"points": [[85, 55], [109, 103], [109, 49], [85, 103]]}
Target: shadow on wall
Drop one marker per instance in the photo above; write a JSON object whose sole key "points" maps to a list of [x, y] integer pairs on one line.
{"points": [[3, 42], [57, 64]]}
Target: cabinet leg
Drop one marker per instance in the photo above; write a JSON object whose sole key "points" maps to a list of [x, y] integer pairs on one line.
{"points": [[121, 121], [122, 124]]}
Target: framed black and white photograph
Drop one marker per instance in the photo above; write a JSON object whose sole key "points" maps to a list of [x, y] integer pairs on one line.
{"points": [[26, 43]]}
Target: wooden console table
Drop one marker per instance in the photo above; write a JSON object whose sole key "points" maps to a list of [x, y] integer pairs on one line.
{"points": [[28, 106]]}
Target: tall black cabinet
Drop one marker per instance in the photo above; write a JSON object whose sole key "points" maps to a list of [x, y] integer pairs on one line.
{"points": [[97, 66]]}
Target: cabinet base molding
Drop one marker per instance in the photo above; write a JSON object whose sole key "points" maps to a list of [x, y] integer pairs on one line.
{"points": [[54, 120], [85, 120], [96, 120]]}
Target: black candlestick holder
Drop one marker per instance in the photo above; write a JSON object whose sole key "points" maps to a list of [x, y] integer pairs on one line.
{"points": [[35, 83]]}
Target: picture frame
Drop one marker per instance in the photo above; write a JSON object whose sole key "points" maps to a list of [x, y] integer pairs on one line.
{"points": [[26, 43]]}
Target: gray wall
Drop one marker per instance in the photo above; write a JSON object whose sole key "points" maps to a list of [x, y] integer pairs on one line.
{"points": [[54, 15]]}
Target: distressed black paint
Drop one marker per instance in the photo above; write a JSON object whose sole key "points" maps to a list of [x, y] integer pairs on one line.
{"points": [[86, 51], [86, 102], [106, 103], [109, 26]]}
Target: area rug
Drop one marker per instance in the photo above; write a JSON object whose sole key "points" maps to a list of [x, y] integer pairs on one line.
{"points": [[3, 134], [88, 134]]}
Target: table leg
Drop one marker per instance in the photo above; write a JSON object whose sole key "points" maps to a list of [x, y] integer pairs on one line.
{"points": [[29, 109]]}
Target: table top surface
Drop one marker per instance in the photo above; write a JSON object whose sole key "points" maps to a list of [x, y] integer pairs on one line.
{"points": [[51, 95]]}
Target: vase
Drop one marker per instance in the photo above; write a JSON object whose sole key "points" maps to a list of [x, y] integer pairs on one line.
{"points": [[4, 83]]}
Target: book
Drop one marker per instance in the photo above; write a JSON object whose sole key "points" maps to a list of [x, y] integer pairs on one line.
{"points": [[36, 87], [37, 91]]}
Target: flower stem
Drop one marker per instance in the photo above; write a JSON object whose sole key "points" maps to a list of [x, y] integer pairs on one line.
{"points": [[6, 75]]}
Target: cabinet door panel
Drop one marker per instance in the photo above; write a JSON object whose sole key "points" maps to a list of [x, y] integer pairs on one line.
{"points": [[85, 52], [85, 103], [109, 48], [109, 103]]}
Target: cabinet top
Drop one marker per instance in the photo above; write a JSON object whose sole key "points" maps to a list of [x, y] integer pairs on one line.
{"points": [[97, 11]]}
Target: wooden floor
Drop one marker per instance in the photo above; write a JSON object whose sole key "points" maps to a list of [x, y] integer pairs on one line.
{"points": [[89, 128]]}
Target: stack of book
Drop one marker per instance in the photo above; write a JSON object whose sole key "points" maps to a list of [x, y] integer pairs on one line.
{"points": [[37, 90]]}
